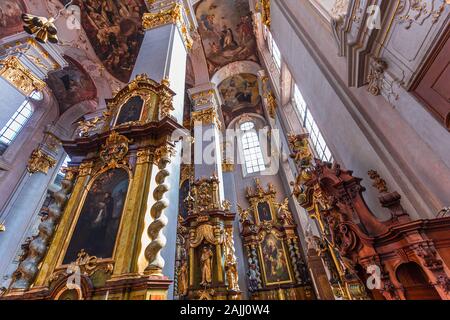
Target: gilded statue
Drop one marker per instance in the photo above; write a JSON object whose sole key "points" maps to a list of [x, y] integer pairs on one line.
{"points": [[183, 279], [206, 266], [284, 213]]}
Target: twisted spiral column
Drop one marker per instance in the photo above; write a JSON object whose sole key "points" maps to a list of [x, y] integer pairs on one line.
{"points": [[154, 231], [28, 268]]}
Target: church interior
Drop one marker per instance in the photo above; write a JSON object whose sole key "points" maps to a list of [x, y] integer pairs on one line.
{"points": [[225, 150]]}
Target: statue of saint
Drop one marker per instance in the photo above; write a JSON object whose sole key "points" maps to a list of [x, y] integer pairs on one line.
{"points": [[183, 279], [206, 265]]}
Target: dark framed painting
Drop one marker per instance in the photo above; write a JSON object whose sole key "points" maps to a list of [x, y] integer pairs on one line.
{"points": [[264, 212], [130, 111], [274, 260], [100, 215]]}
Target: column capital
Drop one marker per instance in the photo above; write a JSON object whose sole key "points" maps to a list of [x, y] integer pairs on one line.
{"points": [[170, 12], [205, 96], [26, 62]]}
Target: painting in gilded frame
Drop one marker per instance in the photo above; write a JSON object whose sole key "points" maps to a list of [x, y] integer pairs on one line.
{"points": [[99, 219], [131, 111], [276, 269]]}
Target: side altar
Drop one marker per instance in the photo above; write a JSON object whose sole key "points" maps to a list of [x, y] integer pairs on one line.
{"points": [[103, 235]]}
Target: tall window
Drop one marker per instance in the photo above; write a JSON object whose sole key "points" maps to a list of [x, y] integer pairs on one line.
{"points": [[254, 160], [60, 175], [308, 122], [12, 128], [273, 48]]}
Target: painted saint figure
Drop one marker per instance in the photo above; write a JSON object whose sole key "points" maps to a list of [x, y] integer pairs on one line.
{"points": [[206, 266]]}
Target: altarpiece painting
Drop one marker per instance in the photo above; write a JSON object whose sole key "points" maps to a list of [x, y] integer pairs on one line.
{"points": [[99, 218]]}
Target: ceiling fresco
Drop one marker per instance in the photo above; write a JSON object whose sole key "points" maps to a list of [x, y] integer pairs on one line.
{"points": [[240, 89], [10, 17], [115, 31], [240, 94], [226, 29], [71, 85]]}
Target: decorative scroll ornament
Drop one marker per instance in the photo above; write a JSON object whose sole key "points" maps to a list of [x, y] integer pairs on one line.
{"points": [[87, 126], [40, 162], [19, 76], [114, 150], [375, 76], [89, 264], [418, 11]]}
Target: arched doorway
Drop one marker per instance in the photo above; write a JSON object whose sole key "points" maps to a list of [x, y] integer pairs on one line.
{"points": [[415, 282]]}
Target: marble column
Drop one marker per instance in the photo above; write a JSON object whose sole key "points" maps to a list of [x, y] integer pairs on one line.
{"points": [[207, 133]]}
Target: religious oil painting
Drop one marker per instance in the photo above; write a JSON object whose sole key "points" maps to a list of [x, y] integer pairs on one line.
{"points": [[241, 89], [115, 31], [99, 219], [226, 28], [275, 263], [131, 111], [264, 212]]}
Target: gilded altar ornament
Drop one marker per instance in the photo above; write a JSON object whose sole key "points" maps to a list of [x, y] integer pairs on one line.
{"points": [[87, 126], [13, 71], [271, 104], [228, 166], [206, 117], [2, 227], [114, 150], [40, 162]]}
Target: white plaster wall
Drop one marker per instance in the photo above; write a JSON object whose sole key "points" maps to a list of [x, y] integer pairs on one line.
{"points": [[364, 131]]}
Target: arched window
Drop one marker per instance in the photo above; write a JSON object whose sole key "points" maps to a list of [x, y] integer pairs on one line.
{"points": [[12, 128], [253, 157], [61, 174]]}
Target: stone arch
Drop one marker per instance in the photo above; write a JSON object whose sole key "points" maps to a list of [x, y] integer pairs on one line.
{"points": [[233, 69]]}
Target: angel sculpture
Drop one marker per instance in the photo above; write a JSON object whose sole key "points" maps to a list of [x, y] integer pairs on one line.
{"points": [[284, 213], [244, 214]]}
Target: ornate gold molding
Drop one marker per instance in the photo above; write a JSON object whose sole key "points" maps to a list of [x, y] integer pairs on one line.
{"points": [[114, 150], [19, 76], [174, 15], [40, 162], [206, 117], [228, 166], [263, 6]]}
